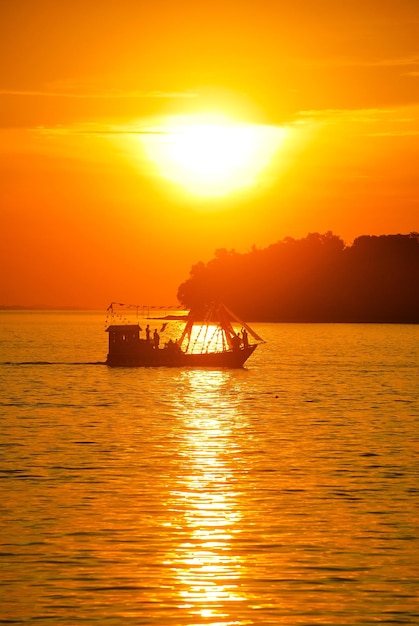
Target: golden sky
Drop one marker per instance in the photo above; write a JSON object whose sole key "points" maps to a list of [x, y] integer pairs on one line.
{"points": [[137, 137]]}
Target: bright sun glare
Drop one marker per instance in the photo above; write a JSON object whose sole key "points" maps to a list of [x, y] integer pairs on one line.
{"points": [[211, 156]]}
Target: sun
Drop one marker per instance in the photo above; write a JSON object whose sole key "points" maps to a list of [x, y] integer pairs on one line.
{"points": [[211, 155]]}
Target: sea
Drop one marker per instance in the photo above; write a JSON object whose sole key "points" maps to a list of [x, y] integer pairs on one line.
{"points": [[283, 493]]}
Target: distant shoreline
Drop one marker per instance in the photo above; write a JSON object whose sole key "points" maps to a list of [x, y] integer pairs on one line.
{"points": [[4, 307], [51, 308], [172, 317]]}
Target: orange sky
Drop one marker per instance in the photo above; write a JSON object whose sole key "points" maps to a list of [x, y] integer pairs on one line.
{"points": [[87, 219]]}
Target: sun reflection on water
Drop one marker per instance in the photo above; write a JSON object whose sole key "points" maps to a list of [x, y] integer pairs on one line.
{"points": [[206, 507]]}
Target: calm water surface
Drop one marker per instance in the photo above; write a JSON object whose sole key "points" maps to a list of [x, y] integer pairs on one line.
{"points": [[284, 493]]}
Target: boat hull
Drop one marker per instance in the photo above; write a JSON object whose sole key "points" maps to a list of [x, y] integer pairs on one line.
{"points": [[164, 357]]}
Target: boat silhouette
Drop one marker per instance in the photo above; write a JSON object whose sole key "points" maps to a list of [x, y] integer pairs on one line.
{"points": [[209, 340]]}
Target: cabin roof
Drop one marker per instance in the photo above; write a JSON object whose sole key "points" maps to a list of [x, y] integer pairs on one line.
{"points": [[122, 327]]}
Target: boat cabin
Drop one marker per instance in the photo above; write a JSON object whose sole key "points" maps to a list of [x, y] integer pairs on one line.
{"points": [[124, 341]]}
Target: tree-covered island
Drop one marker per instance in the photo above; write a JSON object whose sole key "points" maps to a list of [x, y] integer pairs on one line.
{"points": [[314, 279]]}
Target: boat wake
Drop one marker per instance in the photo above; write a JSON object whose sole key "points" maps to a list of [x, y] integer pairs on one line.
{"points": [[23, 363]]}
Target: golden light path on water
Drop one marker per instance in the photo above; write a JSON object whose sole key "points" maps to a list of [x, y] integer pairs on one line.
{"points": [[206, 504]]}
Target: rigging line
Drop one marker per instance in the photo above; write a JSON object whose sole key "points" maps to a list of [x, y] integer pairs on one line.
{"points": [[205, 347], [144, 306], [214, 336]]}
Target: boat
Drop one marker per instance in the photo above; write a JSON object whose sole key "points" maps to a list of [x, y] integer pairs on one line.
{"points": [[219, 339]]}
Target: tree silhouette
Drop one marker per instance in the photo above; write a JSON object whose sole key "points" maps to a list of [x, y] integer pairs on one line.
{"points": [[316, 279]]}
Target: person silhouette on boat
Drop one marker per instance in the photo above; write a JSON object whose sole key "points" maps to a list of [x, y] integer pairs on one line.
{"points": [[147, 333], [156, 339], [236, 342], [245, 338], [172, 347]]}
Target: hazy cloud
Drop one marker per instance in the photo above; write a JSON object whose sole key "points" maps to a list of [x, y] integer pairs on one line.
{"points": [[362, 62], [111, 94], [373, 122]]}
